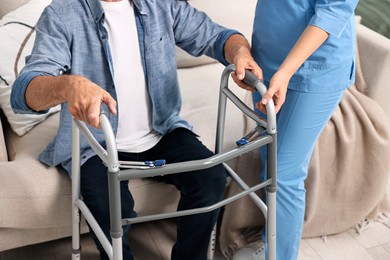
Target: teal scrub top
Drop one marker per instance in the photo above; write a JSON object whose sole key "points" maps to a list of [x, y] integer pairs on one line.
{"points": [[279, 24]]}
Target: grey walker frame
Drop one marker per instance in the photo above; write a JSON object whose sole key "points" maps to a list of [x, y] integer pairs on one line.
{"points": [[115, 174]]}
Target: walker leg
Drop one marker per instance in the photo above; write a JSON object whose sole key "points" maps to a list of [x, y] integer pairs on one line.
{"points": [[271, 197], [115, 214], [117, 253], [76, 249], [271, 225]]}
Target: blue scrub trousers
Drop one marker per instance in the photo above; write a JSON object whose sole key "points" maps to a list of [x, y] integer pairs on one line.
{"points": [[299, 124]]}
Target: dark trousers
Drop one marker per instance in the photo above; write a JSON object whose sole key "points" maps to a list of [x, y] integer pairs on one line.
{"points": [[197, 188]]}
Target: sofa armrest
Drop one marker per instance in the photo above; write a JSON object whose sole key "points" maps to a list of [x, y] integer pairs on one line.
{"points": [[374, 51]]}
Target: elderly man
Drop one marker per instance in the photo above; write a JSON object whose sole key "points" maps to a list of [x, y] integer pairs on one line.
{"points": [[122, 54]]}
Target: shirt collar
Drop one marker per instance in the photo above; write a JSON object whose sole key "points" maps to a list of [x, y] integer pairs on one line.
{"points": [[98, 12], [96, 9]]}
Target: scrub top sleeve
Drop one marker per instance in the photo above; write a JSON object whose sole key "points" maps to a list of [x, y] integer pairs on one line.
{"points": [[333, 16]]}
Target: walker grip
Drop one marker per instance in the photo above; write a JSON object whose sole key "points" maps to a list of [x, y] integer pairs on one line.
{"points": [[251, 79]]}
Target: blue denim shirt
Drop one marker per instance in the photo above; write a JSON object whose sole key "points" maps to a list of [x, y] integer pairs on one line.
{"points": [[71, 39], [279, 24]]}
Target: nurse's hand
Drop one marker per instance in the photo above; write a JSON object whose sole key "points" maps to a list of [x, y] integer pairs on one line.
{"points": [[277, 91]]}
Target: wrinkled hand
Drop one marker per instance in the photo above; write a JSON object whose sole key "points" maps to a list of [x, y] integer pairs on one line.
{"points": [[244, 61], [84, 100], [277, 92]]}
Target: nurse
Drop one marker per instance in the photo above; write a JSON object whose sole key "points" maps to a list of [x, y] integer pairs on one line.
{"points": [[306, 49]]}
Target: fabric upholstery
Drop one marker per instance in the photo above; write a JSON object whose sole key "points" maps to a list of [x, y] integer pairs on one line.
{"points": [[375, 61], [10, 5], [5, 7], [17, 37]]}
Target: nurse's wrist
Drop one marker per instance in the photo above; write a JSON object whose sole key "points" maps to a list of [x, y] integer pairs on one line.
{"points": [[285, 72]]}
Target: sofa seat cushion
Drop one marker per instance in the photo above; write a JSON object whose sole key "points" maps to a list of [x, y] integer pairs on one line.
{"points": [[34, 195]]}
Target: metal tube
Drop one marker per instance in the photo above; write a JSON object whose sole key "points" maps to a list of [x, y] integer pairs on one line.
{"points": [[196, 164], [95, 227], [197, 210], [116, 230], [271, 225], [99, 150], [271, 197], [75, 192], [253, 196]]}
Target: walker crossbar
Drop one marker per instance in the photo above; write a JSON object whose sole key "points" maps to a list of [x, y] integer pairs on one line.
{"points": [[109, 156], [187, 212]]}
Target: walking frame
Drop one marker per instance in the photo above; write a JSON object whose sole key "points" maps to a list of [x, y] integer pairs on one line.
{"points": [[263, 134]]}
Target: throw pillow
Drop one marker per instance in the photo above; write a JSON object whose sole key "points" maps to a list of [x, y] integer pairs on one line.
{"points": [[17, 37], [9, 5]]}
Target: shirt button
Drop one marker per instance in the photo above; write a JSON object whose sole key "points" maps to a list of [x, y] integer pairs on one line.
{"points": [[104, 37]]}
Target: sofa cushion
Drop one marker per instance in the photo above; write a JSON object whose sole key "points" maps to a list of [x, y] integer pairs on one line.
{"points": [[10, 5], [185, 60], [42, 192], [17, 37], [242, 23], [375, 60]]}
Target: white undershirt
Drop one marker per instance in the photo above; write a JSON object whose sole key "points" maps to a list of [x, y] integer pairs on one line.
{"points": [[135, 132]]}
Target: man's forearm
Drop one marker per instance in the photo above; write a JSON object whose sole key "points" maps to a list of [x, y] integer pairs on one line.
{"points": [[235, 46], [44, 92], [238, 52]]}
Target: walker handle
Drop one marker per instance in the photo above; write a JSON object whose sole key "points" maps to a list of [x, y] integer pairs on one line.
{"points": [[252, 80]]}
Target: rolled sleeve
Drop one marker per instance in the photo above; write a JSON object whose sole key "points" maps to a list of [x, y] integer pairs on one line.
{"points": [[18, 100], [332, 16]]}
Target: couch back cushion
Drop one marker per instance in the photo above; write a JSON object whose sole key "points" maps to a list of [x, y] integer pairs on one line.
{"points": [[17, 34], [235, 14], [10, 5], [5, 7]]}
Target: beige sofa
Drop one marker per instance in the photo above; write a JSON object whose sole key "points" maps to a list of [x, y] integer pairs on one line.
{"points": [[35, 199]]}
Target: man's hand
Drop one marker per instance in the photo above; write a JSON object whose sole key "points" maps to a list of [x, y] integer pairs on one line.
{"points": [[83, 96], [84, 100], [237, 51]]}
